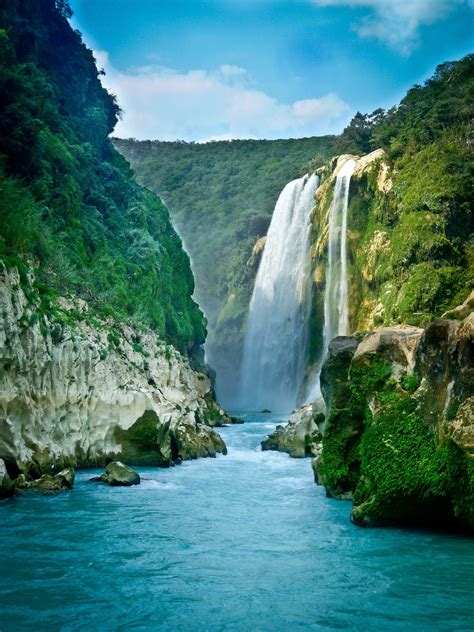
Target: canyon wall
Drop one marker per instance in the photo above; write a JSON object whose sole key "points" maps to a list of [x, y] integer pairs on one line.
{"points": [[77, 391]]}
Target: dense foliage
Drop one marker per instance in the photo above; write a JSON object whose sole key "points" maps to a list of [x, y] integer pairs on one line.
{"points": [[379, 447], [69, 204], [221, 196], [410, 218]]}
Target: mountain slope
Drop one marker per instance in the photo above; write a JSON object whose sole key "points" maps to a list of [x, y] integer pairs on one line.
{"points": [[69, 203]]}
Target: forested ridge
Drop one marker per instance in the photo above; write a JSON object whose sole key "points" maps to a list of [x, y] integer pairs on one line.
{"points": [[221, 196], [427, 215], [69, 205]]}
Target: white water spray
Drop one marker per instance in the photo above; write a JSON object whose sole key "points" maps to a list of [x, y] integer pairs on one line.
{"points": [[275, 350], [336, 311], [336, 308]]}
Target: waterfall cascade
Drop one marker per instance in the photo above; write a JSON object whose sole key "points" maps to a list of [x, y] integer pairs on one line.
{"points": [[336, 308], [336, 312], [275, 349]]}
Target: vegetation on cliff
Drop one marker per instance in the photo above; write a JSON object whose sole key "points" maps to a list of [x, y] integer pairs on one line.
{"points": [[399, 431], [69, 204], [410, 218]]}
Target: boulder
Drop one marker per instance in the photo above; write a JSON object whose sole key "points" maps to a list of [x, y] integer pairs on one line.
{"points": [[117, 474], [151, 442], [395, 345], [300, 437], [48, 483], [7, 487], [399, 436]]}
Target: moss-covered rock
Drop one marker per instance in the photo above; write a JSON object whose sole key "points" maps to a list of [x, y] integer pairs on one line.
{"points": [[117, 474], [391, 440], [48, 483]]}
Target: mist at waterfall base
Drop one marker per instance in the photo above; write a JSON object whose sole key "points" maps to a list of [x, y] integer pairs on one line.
{"points": [[275, 349], [244, 542]]}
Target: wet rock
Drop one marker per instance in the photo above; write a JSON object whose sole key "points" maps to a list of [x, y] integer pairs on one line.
{"points": [[153, 442], [7, 487], [300, 437], [48, 483], [117, 474]]}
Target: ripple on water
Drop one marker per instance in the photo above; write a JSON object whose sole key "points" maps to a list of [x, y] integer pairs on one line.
{"points": [[241, 542]]}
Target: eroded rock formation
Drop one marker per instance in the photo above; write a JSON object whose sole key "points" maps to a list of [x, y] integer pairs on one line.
{"points": [[300, 437], [79, 392], [399, 438]]}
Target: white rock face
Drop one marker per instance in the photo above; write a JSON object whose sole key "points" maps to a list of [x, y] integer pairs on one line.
{"points": [[397, 343], [300, 437], [65, 390]]}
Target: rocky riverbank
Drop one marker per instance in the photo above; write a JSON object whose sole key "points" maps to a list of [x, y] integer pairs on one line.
{"points": [[399, 437], [301, 436], [79, 392]]}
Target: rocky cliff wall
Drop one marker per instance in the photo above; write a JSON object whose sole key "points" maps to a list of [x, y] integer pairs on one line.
{"points": [[399, 436], [408, 261], [78, 391]]}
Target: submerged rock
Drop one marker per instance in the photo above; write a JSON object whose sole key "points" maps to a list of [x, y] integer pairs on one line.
{"points": [[7, 487], [117, 474], [300, 437], [48, 483]]}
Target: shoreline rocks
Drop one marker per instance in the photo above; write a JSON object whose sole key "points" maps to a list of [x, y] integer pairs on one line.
{"points": [[7, 486], [117, 474], [399, 436], [300, 437], [48, 483], [72, 389]]}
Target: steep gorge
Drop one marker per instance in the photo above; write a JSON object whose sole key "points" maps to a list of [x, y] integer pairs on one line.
{"points": [[100, 339]]}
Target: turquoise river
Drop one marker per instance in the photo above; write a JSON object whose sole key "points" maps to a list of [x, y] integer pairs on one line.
{"points": [[243, 542]]}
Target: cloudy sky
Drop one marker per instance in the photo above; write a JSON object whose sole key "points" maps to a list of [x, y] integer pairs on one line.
{"points": [[211, 69]]}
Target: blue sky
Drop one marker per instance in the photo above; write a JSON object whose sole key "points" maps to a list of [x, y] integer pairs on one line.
{"points": [[205, 69]]}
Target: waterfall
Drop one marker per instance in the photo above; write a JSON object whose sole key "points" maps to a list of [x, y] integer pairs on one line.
{"points": [[336, 312], [336, 309], [275, 352]]}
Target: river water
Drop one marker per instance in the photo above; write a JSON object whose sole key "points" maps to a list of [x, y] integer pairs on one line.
{"points": [[243, 542]]}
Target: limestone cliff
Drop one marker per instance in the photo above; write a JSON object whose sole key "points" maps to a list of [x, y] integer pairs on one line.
{"points": [[79, 391], [408, 259], [399, 436]]}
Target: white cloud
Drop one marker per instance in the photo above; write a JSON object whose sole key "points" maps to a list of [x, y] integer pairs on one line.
{"points": [[202, 105], [397, 22]]}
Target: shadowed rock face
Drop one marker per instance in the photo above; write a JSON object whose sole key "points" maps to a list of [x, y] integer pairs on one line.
{"points": [[7, 487], [74, 394], [48, 483], [399, 436], [300, 437]]}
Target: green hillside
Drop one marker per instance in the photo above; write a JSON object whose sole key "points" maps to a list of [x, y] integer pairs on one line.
{"points": [[221, 197], [69, 205]]}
